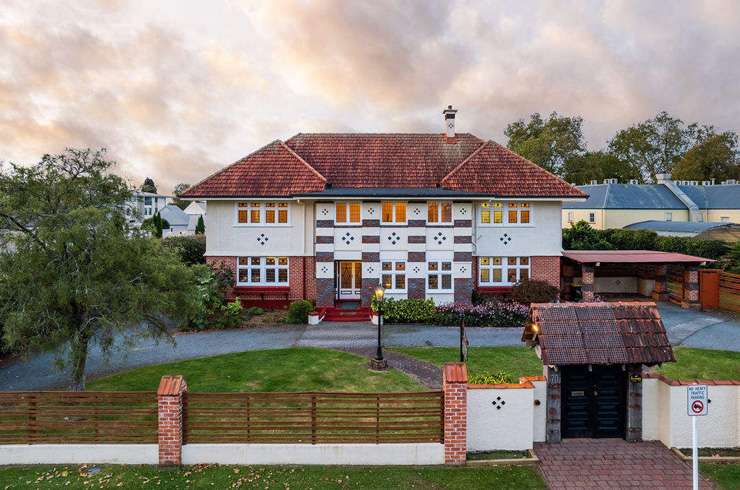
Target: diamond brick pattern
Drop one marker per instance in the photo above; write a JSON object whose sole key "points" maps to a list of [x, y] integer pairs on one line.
{"points": [[505, 238], [262, 239], [394, 238], [440, 238], [498, 403], [348, 238]]}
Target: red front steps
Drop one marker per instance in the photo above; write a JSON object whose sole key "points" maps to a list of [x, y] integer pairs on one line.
{"points": [[334, 314]]}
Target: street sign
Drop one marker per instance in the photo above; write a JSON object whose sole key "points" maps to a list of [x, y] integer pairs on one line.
{"points": [[697, 400]]}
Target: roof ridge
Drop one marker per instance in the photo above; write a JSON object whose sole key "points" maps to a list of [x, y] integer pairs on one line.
{"points": [[606, 196], [461, 164], [300, 159]]}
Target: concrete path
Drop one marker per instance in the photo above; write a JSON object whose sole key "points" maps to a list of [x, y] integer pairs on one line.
{"points": [[613, 463], [701, 329]]}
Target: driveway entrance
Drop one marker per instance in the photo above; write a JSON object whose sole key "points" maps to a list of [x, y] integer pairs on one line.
{"points": [[594, 401]]}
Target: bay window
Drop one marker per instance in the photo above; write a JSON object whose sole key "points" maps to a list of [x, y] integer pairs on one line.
{"points": [[268, 213], [394, 212], [502, 271], [439, 276], [262, 271], [500, 213], [439, 212], [393, 275], [347, 212]]}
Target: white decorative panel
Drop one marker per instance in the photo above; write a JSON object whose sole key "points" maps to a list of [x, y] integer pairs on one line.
{"points": [[416, 270], [462, 270], [441, 298], [440, 238], [371, 210], [324, 211], [462, 210], [439, 255], [324, 270], [393, 238], [324, 247], [347, 255], [347, 238], [417, 210], [371, 270]]}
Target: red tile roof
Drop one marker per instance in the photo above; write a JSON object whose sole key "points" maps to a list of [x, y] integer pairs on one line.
{"points": [[311, 162], [599, 333], [494, 169], [272, 171], [631, 257]]}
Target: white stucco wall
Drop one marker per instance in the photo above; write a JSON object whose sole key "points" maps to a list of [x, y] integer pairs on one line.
{"points": [[539, 412], [626, 284], [510, 427], [543, 236], [226, 237], [320, 454], [79, 454], [664, 415]]}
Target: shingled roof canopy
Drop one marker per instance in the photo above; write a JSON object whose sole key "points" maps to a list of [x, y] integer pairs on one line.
{"points": [[599, 333]]}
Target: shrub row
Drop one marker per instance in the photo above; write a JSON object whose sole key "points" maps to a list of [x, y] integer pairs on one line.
{"points": [[487, 314]]}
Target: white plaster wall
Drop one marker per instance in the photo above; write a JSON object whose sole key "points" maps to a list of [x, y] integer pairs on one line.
{"points": [[320, 454], [646, 286], [539, 411], [664, 416], [541, 237], [227, 238], [625, 284], [79, 454], [510, 427]]}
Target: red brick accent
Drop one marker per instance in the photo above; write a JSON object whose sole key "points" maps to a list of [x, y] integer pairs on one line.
{"points": [[546, 268], [170, 419], [455, 387]]}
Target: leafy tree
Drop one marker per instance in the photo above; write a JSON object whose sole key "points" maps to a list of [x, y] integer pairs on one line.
{"points": [[200, 227], [654, 146], [178, 191], [148, 186], [155, 225], [191, 249], [78, 274], [714, 158], [598, 165], [548, 143], [581, 236]]}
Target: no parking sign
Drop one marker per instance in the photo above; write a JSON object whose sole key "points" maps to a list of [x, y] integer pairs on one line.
{"points": [[697, 400]]}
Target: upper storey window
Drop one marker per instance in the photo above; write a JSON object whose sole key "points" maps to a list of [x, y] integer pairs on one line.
{"points": [[347, 212], [262, 213], [505, 213], [439, 212], [394, 212]]}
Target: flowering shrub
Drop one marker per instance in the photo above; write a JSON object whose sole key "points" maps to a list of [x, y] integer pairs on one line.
{"points": [[497, 378], [488, 314]]}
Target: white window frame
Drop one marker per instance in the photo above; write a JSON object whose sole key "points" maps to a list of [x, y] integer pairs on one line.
{"points": [[439, 220], [504, 207], [592, 217], [263, 265], [394, 272], [439, 268], [724, 219], [571, 216], [395, 220], [262, 207], [348, 214], [504, 267], [669, 216]]}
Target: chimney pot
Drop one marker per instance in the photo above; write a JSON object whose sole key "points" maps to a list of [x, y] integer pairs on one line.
{"points": [[449, 114]]}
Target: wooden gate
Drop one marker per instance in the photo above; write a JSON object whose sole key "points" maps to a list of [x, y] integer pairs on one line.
{"points": [[675, 281], [729, 291], [709, 288]]}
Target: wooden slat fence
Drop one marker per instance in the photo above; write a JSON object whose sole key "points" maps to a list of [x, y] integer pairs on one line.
{"points": [[61, 417], [675, 281], [314, 418], [729, 291]]}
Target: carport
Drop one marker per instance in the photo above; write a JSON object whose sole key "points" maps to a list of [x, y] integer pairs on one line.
{"points": [[632, 274]]}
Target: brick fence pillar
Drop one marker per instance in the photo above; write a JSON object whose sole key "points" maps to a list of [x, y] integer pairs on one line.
{"points": [[660, 293], [170, 419], [691, 287], [587, 282], [634, 404], [455, 387]]}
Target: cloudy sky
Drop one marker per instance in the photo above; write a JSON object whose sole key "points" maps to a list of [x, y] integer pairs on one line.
{"points": [[176, 89]]}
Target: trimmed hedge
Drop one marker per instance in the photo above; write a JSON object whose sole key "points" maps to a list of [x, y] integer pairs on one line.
{"points": [[486, 314], [298, 311]]}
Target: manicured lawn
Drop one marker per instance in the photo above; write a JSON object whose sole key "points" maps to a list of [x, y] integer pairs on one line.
{"points": [[519, 361], [725, 475], [702, 364], [269, 477], [304, 369]]}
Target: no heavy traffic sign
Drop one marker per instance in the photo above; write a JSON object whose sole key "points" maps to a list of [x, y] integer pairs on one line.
{"points": [[697, 400]]}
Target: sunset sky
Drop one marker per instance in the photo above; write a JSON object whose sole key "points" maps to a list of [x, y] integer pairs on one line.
{"points": [[177, 89]]}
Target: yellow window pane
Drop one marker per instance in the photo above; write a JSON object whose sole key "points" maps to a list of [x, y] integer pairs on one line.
{"points": [[496, 275], [524, 216], [511, 260], [270, 261], [484, 204], [283, 260], [432, 211], [497, 205], [446, 212], [485, 216], [400, 281], [254, 216], [432, 266], [485, 275], [341, 212], [282, 204], [513, 205], [400, 212], [243, 216], [242, 205], [282, 215], [243, 260], [254, 261], [354, 212], [511, 276], [387, 212], [254, 205], [524, 260], [387, 281], [269, 204], [270, 216], [498, 217], [512, 216], [496, 260], [400, 266], [485, 260], [523, 274]]}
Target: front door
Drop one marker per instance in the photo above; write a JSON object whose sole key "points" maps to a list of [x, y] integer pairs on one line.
{"points": [[594, 401], [350, 279]]}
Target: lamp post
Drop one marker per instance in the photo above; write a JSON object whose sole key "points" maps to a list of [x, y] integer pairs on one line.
{"points": [[379, 363]]}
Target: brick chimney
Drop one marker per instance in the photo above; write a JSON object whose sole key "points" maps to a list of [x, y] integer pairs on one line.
{"points": [[449, 114]]}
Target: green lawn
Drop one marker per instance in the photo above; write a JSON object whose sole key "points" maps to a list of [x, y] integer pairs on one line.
{"points": [[304, 369], [269, 477], [519, 361], [702, 364], [727, 476]]}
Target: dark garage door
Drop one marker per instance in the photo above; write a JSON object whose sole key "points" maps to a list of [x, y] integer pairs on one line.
{"points": [[594, 402]]}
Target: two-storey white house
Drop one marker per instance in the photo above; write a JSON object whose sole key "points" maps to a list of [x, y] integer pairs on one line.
{"points": [[329, 217]]}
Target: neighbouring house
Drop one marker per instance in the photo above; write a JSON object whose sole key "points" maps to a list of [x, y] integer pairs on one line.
{"points": [[144, 205], [331, 216], [615, 205], [705, 230], [180, 223]]}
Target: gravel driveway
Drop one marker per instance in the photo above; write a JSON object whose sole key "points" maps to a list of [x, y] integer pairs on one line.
{"points": [[690, 328]]}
